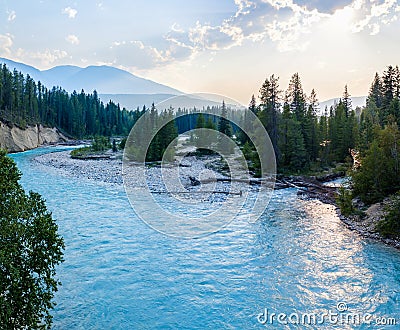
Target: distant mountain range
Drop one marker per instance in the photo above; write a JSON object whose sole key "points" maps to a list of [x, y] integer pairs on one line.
{"points": [[117, 85], [132, 101], [128, 90], [104, 79], [165, 101], [356, 101]]}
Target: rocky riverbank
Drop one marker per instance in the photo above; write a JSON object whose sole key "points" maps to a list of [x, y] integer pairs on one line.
{"points": [[109, 170], [365, 222], [105, 170]]}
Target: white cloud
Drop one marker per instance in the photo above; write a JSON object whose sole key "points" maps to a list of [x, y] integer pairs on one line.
{"points": [[370, 15], [282, 21], [243, 6], [136, 54], [207, 37], [375, 28], [71, 12], [11, 16], [288, 25], [72, 39], [254, 20], [49, 56], [284, 24], [6, 42], [287, 33]]}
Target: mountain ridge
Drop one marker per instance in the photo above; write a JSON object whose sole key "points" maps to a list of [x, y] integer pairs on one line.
{"points": [[356, 101], [118, 85], [104, 79]]}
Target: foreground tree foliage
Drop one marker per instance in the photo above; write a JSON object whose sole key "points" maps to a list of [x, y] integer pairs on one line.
{"points": [[30, 249]]}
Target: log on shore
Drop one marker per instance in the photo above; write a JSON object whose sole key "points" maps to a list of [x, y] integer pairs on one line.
{"points": [[248, 181], [307, 186], [310, 187], [239, 193], [91, 157]]}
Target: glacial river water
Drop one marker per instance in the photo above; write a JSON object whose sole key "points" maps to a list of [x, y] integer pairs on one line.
{"points": [[298, 260]]}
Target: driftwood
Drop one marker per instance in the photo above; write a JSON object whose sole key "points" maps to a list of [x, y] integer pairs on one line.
{"points": [[307, 186], [248, 181], [200, 192], [330, 176], [194, 181], [91, 157]]}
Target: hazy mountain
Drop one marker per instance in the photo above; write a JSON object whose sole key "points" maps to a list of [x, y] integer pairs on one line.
{"points": [[104, 79], [165, 101], [132, 101], [57, 73], [25, 69], [127, 89], [117, 85], [356, 101]]}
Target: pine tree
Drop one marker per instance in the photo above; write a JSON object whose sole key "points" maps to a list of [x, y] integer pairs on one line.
{"points": [[224, 127], [324, 146], [200, 134], [369, 123], [246, 122], [389, 86], [270, 97], [346, 100], [310, 128], [296, 98], [375, 92], [211, 135], [253, 105]]}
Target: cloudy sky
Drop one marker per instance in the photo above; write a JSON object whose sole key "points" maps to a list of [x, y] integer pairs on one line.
{"points": [[222, 46]]}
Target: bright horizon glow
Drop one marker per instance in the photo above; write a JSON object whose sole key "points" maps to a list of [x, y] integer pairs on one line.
{"points": [[225, 47]]}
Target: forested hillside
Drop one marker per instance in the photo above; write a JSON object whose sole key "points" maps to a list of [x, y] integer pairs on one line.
{"points": [[26, 102]]}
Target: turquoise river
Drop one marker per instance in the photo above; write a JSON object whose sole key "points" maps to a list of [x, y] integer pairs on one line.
{"points": [[298, 260]]}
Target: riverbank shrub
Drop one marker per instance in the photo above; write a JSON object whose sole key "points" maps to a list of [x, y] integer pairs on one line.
{"points": [[390, 225], [99, 144], [344, 201]]}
